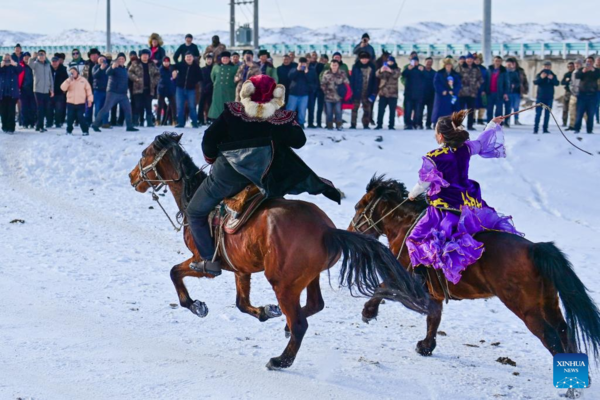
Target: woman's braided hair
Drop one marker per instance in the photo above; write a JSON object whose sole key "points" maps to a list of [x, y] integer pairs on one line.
{"points": [[452, 129]]}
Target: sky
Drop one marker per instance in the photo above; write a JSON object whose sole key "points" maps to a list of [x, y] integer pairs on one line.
{"points": [[181, 16]]}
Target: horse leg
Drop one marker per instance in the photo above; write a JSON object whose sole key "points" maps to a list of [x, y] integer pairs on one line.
{"points": [[242, 300], [179, 272], [434, 317], [314, 301], [289, 301], [554, 317], [371, 309]]}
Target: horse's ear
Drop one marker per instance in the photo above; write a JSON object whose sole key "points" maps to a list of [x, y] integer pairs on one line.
{"points": [[178, 138]]}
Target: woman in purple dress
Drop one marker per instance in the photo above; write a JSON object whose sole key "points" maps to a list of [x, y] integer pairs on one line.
{"points": [[443, 238]]}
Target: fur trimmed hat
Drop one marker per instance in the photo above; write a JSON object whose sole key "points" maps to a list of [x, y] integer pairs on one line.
{"points": [[154, 36], [261, 96]]}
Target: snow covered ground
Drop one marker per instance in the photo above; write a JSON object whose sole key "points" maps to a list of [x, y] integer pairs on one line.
{"points": [[87, 303]]}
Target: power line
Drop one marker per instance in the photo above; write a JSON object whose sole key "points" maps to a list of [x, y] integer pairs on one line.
{"points": [[96, 16], [396, 20], [131, 17], [280, 14], [184, 11]]}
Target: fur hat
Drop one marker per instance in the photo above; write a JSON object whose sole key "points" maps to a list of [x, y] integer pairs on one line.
{"points": [[93, 51], [366, 36], [157, 37], [261, 96]]}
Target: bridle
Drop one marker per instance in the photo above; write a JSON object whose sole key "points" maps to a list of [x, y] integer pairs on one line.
{"points": [[367, 215]]}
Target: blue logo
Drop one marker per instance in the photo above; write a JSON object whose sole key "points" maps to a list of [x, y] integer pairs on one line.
{"points": [[571, 371]]}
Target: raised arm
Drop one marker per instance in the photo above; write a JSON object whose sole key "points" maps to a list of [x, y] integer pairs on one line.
{"points": [[431, 180], [490, 144]]}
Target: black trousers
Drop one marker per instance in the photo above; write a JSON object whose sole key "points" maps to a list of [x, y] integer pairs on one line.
{"points": [[28, 108], [429, 104], [57, 109], [143, 105], [167, 113], [466, 102], [8, 113], [204, 105], [76, 111], [387, 102], [413, 112], [43, 108], [223, 181], [320, 106]]}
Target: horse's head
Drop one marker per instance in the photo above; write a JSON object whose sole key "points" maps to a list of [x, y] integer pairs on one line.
{"points": [[384, 201], [154, 169]]}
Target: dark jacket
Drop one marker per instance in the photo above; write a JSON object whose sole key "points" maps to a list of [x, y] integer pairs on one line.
{"points": [[428, 89], [9, 81], [283, 73], [546, 85], [566, 81], [59, 75], [414, 86], [368, 48], [26, 78], [260, 150], [166, 84], [188, 75], [184, 48], [207, 83], [303, 83], [356, 81], [118, 80], [588, 81], [503, 85], [100, 78], [514, 81], [159, 55]]}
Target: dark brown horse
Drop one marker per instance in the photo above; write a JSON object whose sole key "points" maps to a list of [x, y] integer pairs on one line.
{"points": [[291, 241], [527, 277]]}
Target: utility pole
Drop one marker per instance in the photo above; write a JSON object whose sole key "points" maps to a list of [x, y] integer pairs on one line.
{"points": [[108, 48], [232, 24], [255, 27], [486, 39]]}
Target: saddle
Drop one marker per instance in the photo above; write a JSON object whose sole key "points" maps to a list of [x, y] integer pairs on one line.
{"points": [[233, 212]]}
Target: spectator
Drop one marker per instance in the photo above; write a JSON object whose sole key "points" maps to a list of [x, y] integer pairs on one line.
{"points": [[187, 75], [144, 75], [184, 49], [18, 54], [77, 61], [364, 89], [58, 102], [497, 91], [333, 84], [388, 76], [293, 57], [92, 61], [364, 46], [597, 66], [27, 115], [116, 93], [157, 53], [471, 79], [312, 96], [61, 58], [414, 92], [99, 88], [587, 100], [524, 83], [566, 82], [481, 100], [43, 87], [338, 57], [245, 72], [166, 91], [215, 48], [574, 88], [447, 85], [79, 97], [9, 92], [283, 72], [514, 90], [323, 60], [223, 78], [546, 81], [428, 91], [302, 81], [266, 67], [235, 59], [206, 94]]}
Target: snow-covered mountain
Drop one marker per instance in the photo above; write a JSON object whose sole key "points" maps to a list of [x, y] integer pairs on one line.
{"points": [[422, 32]]}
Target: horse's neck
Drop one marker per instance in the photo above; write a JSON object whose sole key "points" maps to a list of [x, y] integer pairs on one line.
{"points": [[177, 189], [396, 231]]}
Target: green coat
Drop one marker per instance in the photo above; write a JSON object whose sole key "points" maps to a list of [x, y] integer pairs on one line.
{"points": [[223, 88]]}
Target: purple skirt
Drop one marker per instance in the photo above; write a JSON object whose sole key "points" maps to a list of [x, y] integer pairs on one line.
{"points": [[444, 240]]}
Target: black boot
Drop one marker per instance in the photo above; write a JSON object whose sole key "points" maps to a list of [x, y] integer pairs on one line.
{"points": [[208, 267]]}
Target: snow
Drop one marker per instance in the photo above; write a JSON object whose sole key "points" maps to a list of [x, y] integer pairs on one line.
{"points": [[86, 307], [421, 32]]}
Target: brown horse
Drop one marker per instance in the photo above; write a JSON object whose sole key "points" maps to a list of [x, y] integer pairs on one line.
{"points": [[527, 277], [291, 241]]}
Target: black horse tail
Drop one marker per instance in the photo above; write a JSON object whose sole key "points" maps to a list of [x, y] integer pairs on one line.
{"points": [[366, 263], [582, 316]]}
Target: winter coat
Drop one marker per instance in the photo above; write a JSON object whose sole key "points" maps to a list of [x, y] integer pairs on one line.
{"points": [[588, 81], [471, 80], [207, 84], [268, 69], [17, 58], [428, 89], [244, 73], [388, 82], [502, 84], [442, 105], [156, 53], [79, 64], [87, 72], [42, 76], [166, 84], [414, 83], [222, 77], [100, 78], [483, 88], [566, 81], [514, 81], [215, 50], [9, 80], [327, 67], [524, 81], [362, 81], [368, 48], [283, 73], [330, 84], [118, 80], [188, 75], [26, 78], [546, 85], [78, 91], [136, 74], [184, 48], [260, 149], [303, 83], [59, 75]]}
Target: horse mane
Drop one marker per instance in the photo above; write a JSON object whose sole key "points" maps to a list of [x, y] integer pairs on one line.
{"points": [[394, 191], [188, 171]]}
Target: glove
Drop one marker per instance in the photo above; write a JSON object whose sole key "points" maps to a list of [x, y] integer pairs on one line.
{"points": [[372, 98]]}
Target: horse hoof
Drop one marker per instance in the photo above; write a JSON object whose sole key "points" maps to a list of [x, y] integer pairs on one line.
{"points": [[272, 311], [277, 363], [199, 308], [366, 320], [573, 393], [288, 334], [424, 350]]}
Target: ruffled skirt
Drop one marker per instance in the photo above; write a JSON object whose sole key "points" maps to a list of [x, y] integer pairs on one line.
{"points": [[444, 240]]}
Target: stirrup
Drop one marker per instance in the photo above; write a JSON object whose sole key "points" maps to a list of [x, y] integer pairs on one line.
{"points": [[207, 267]]}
